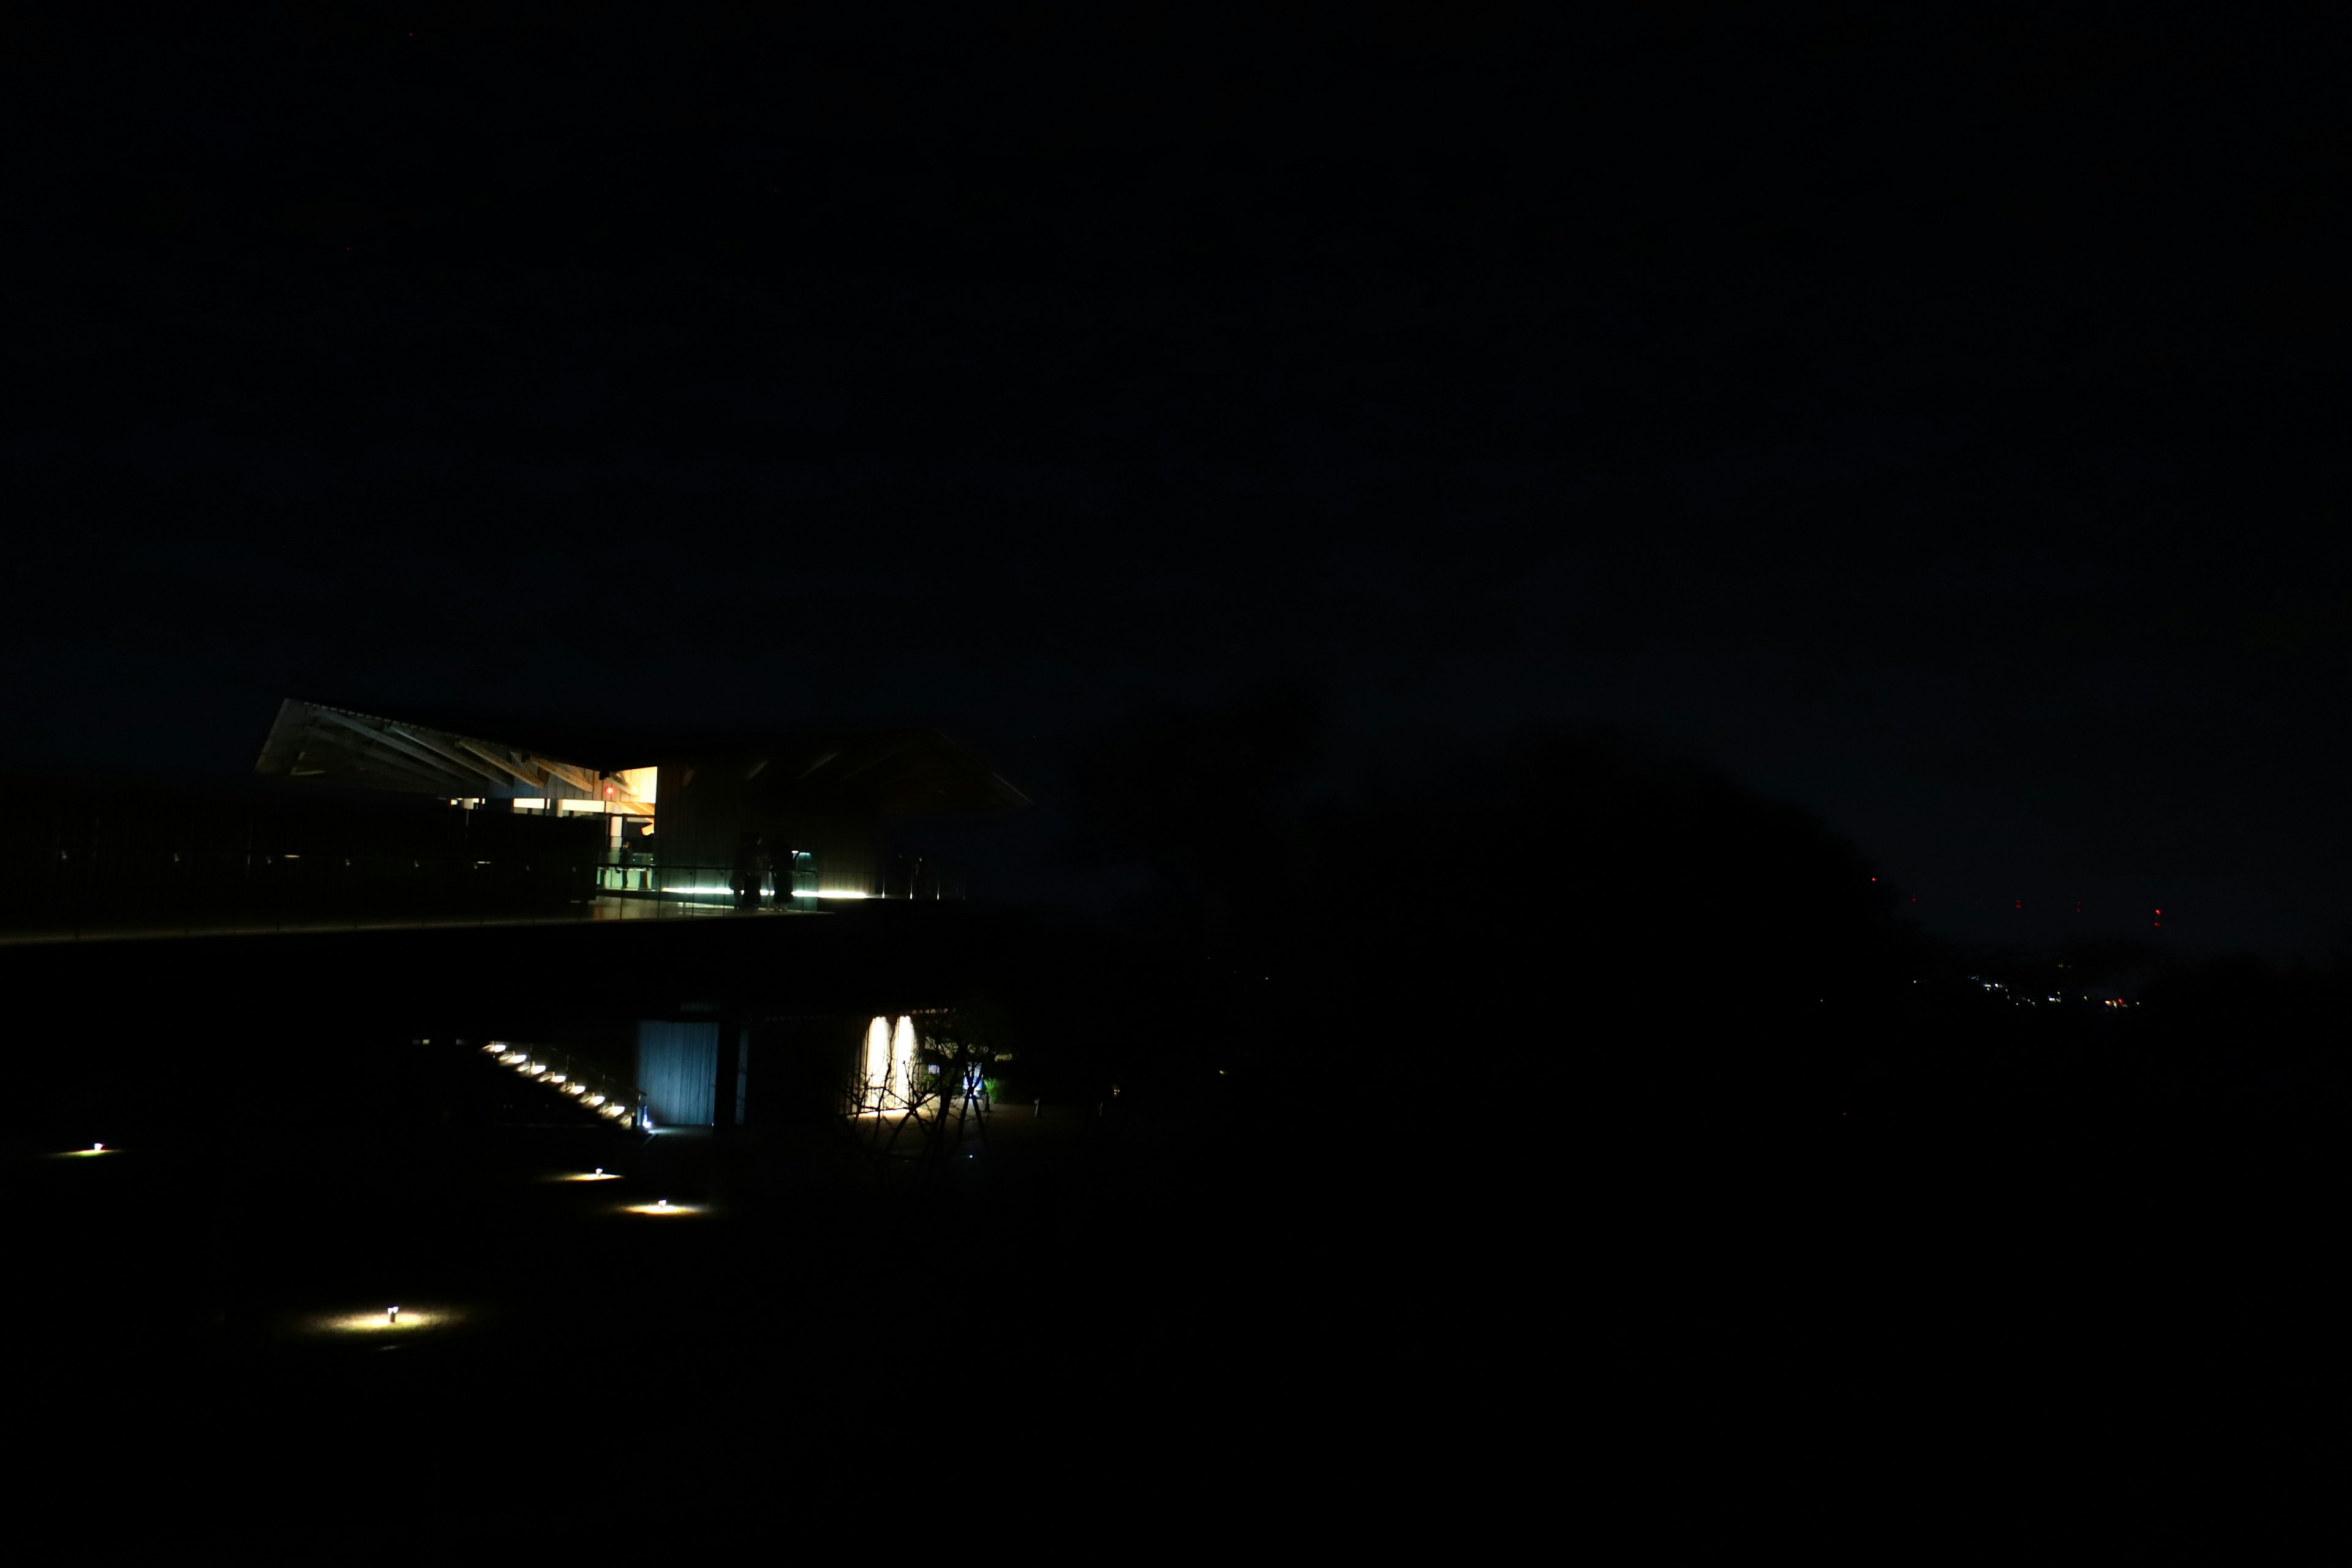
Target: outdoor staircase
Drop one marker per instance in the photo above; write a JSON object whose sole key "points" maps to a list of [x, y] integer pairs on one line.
{"points": [[584, 1089]]}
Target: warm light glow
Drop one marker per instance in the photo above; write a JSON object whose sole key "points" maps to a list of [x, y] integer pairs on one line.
{"points": [[402, 1321], [575, 1088], [555, 1078], [595, 1099], [889, 1077], [878, 1061], [598, 1175], [663, 1208]]}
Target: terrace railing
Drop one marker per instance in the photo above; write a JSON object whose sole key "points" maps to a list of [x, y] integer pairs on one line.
{"points": [[65, 895]]}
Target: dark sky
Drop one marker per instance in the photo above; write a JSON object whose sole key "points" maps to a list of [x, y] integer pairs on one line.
{"points": [[1931, 418]]}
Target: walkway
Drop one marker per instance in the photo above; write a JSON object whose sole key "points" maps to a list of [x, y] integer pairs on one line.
{"points": [[592, 911]]}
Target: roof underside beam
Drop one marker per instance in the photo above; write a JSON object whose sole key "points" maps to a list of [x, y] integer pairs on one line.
{"points": [[310, 740]]}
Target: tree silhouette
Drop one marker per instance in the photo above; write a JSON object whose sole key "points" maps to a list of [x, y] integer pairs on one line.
{"points": [[1474, 914]]}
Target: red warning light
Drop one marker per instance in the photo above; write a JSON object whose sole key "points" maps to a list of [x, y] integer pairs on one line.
{"points": [[2020, 903]]}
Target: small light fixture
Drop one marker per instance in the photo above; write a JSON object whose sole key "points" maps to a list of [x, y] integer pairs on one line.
{"points": [[98, 1148], [600, 1170], [392, 1315], [663, 1205]]}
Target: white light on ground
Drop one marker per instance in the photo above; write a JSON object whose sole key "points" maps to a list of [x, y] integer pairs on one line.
{"points": [[599, 1175], [663, 1209], [92, 1152]]}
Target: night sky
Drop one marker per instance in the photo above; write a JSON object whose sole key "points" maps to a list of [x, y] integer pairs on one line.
{"points": [[1930, 419]]}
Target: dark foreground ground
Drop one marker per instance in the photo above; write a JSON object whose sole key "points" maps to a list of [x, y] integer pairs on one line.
{"points": [[1062, 1310], [1364, 1318]]}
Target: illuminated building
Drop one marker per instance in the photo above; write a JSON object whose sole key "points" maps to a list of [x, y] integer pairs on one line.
{"points": [[673, 815], [483, 887]]}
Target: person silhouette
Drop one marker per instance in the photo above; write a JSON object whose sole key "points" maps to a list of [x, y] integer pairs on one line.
{"points": [[747, 877]]}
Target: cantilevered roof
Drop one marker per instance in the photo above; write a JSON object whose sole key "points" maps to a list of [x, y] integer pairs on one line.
{"points": [[891, 771], [335, 745]]}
